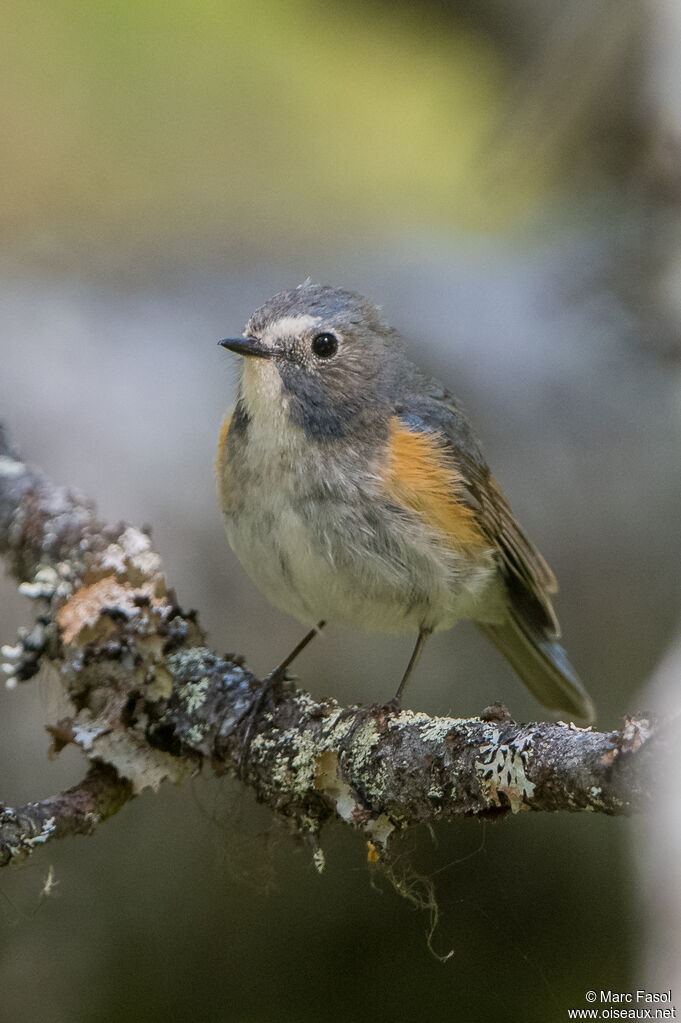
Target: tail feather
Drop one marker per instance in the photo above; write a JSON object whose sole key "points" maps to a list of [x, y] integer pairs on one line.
{"points": [[542, 664]]}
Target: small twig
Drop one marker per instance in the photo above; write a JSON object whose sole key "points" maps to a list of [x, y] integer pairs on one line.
{"points": [[78, 811]]}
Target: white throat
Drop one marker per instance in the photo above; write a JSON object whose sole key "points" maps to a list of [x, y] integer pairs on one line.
{"points": [[261, 384]]}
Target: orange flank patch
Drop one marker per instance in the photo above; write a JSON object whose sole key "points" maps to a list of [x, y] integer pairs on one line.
{"points": [[420, 475], [224, 430]]}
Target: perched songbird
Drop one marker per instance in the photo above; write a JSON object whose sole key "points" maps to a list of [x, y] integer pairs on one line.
{"points": [[354, 490]]}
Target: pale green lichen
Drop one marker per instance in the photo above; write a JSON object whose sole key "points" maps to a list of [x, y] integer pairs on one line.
{"points": [[134, 541], [304, 762], [48, 828], [437, 729], [190, 663], [143, 767], [194, 694], [595, 794], [47, 582], [195, 735], [10, 468], [502, 772], [319, 860], [36, 591], [365, 737], [132, 550], [279, 776]]}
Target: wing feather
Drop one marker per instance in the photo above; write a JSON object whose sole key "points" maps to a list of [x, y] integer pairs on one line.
{"points": [[529, 579]]}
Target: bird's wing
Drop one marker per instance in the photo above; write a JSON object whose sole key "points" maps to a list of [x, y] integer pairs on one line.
{"points": [[433, 411]]}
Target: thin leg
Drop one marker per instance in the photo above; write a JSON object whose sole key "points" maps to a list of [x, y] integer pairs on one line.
{"points": [[413, 660], [280, 670], [268, 685]]}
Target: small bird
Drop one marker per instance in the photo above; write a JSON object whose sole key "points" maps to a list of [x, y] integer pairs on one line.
{"points": [[354, 491]]}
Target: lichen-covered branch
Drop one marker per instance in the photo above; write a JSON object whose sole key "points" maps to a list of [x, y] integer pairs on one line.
{"points": [[77, 811], [151, 702]]}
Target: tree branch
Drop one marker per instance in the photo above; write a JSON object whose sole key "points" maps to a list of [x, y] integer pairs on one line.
{"points": [[151, 702], [77, 811]]}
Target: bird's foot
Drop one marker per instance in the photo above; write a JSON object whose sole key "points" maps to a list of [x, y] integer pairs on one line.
{"points": [[393, 706]]}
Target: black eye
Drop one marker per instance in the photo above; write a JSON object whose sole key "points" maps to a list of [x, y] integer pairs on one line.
{"points": [[325, 345]]}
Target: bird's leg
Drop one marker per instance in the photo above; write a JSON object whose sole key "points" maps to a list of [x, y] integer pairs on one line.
{"points": [[280, 670], [269, 683], [413, 660]]}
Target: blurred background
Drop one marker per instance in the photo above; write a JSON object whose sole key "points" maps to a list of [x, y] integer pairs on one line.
{"points": [[504, 178]]}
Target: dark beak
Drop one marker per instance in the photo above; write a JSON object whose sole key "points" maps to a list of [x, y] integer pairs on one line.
{"points": [[248, 346]]}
